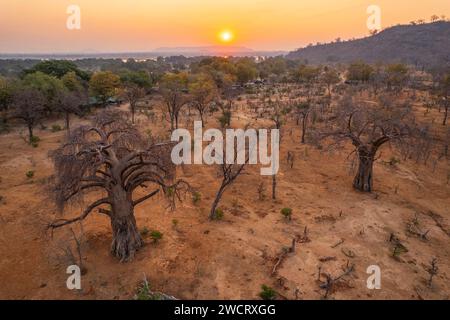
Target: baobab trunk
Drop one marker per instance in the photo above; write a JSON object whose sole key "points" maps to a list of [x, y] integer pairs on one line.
{"points": [[126, 238], [364, 177]]}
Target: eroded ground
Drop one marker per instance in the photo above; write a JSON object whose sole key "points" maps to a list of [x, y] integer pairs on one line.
{"points": [[231, 259]]}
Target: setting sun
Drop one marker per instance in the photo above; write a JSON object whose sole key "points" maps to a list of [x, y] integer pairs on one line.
{"points": [[226, 36]]}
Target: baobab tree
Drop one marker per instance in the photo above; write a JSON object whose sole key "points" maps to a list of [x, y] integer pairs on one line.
{"points": [[368, 127], [111, 156]]}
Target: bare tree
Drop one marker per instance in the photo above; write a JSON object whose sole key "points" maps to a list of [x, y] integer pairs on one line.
{"points": [[302, 111], [368, 127], [229, 173], [444, 96], [277, 110], [68, 103], [133, 93], [173, 89], [29, 106], [111, 156]]}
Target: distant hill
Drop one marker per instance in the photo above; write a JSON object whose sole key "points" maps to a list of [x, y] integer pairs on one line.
{"points": [[424, 45], [214, 51]]}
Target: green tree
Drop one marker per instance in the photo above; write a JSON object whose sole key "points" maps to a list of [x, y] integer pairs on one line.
{"points": [[6, 97], [330, 77], [245, 70], [48, 85], [104, 85], [203, 91], [397, 75], [72, 82], [359, 71], [58, 68]]}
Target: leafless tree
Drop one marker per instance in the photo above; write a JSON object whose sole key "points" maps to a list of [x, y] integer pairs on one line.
{"points": [[302, 111], [29, 106], [112, 157], [68, 103], [368, 127], [229, 173], [133, 93], [277, 111]]}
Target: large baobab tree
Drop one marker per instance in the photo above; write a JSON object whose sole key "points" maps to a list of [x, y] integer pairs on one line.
{"points": [[110, 157], [368, 127]]}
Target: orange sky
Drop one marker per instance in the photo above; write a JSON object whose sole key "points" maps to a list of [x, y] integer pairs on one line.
{"points": [[141, 25]]}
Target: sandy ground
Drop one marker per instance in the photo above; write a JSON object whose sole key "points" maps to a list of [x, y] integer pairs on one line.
{"points": [[232, 258]]}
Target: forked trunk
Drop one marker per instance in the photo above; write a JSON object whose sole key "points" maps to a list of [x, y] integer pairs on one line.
{"points": [[364, 178], [126, 238]]}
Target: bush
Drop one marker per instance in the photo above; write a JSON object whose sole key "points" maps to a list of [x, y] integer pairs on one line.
{"points": [[175, 223], [30, 174], [145, 231], [267, 293], [35, 141], [56, 128], [156, 236], [144, 293], [218, 214], [287, 213], [196, 197]]}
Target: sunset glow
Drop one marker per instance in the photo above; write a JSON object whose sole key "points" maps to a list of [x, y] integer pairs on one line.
{"points": [[226, 36], [141, 25]]}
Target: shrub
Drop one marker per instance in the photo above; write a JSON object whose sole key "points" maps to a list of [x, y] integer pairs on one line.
{"points": [[144, 293], [196, 197], [30, 174], [35, 141], [287, 213], [267, 293], [218, 214], [56, 128], [156, 236], [145, 231], [175, 223]]}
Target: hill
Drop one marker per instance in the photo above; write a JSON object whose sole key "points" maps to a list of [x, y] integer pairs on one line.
{"points": [[424, 45]]}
